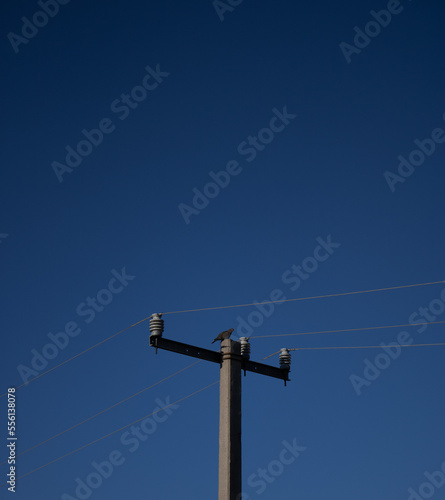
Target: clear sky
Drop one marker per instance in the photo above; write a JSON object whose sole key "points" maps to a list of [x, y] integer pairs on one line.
{"points": [[165, 156]]}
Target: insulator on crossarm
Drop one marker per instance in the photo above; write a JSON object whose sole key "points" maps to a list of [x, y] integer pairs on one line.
{"points": [[284, 359], [156, 325], [245, 347]]}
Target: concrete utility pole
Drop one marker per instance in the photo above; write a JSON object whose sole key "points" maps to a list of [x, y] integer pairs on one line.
{"points": [[233, 358], [230, 421]]}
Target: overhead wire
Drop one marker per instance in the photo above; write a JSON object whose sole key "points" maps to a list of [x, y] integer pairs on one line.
{"points": [[363, 346], [200, 390], [224, 307], [104, 411], [346, 330], [117, 430], [214, 383], [80, 354], [113, 432], [306, 298], [353, 347]]}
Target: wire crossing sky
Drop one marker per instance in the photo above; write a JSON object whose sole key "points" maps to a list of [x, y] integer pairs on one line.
{"points": [[275, 168], [245, 305]]}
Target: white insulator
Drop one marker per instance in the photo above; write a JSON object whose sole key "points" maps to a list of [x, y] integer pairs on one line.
{"points": [[285, 359], [156, 325], [245, 347]]}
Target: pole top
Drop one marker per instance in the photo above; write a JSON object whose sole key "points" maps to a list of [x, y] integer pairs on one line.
{"points": [[229, 346]]}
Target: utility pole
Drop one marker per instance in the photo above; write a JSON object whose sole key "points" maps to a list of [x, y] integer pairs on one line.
{"points": [[229, 482], [233, 357]]}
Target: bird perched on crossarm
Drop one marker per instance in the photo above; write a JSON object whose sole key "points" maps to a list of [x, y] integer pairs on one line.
{"points": [[224, 335]]}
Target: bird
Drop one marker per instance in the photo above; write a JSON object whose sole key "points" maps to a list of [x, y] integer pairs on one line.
{"points": [[224, 335]]}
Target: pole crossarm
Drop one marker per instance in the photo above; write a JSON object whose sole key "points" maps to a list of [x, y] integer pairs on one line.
{"points": [[262, 369], [187, 349], [216, 357]]}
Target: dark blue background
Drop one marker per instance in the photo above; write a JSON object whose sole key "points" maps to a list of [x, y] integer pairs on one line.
{"points": [[322, 175]]}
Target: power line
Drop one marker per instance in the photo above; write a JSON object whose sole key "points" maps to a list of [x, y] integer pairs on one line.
{"points": [[362, 347], [104, 411], [113, 432], [224, 307], [117, 430], [189, 395], [354, 347], [80, 354], [347, 330], [307, 298]]}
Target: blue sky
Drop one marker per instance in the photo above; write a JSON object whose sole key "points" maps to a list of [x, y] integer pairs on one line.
{"points": [[328, 147]]}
